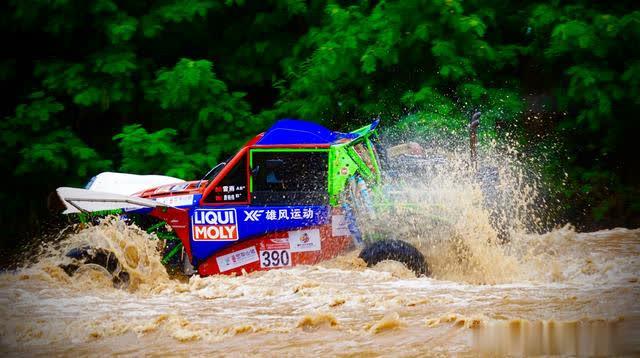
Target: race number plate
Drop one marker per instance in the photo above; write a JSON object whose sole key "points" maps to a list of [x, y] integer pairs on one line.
{"points": [[275, 258]]}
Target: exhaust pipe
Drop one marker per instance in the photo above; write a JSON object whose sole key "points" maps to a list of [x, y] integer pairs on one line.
{"points": [[473, 139]]}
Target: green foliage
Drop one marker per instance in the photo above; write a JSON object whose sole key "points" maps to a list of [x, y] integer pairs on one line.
{"points": [[36, 143], [174, 86], [62, 152], [373, 60], [156, 152], [192, 89]]}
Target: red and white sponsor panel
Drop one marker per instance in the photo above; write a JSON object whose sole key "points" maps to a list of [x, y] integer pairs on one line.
{"points": [[305, 246]]}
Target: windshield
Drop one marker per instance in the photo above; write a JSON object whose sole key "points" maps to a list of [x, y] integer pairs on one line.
{"points": [[213, 172]]}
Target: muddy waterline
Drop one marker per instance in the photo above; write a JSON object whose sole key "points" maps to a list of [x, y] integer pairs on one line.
{"points": [[572, 293]]}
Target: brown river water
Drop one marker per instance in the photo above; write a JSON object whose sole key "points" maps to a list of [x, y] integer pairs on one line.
{"points": [[581, 297], [557, 293]]}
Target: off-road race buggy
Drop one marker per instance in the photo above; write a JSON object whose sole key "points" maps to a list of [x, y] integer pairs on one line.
{"points": [[296, 194]]}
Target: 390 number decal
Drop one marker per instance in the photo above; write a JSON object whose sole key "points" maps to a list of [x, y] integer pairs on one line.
{"points": [[275, 258]]}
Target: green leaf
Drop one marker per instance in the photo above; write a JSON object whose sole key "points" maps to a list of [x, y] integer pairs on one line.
{"points": [[88, 97], [116, 63], [121, 29]]}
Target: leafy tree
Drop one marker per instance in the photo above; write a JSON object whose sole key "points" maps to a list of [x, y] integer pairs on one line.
{"points": [[117, 85], [174, 86], [587, 46]]}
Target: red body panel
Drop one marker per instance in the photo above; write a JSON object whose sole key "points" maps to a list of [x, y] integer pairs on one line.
{"points": [[331, 246], [178, 219], [191, 187], [221, 176]]}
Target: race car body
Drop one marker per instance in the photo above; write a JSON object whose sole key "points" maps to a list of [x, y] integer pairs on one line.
{"points": [[284, 199]]}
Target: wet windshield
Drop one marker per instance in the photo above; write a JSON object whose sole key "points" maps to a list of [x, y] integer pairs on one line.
{"points": [[213, 172]]}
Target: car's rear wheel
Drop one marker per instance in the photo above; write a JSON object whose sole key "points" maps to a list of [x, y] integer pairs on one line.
{"points": [[395, 250], [99, 260]]}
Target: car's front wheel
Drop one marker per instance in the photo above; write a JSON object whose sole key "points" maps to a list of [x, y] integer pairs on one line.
{"points": [[395, 250]]}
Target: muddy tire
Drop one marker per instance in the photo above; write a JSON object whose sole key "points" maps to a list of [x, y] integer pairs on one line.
{"points": [[98, 257], [395, 250]]}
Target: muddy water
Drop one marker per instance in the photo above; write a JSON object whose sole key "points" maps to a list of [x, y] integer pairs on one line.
{"points": [[558, 293], [573, 293]]}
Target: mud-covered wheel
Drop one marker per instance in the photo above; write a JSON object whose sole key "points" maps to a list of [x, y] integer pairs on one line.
{"points": [[100, 260], [395, 250]]}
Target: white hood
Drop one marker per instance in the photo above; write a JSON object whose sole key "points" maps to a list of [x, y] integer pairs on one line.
{"points": [[127, 184]]}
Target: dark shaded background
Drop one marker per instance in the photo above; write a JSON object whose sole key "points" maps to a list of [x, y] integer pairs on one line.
{"points": [[174, 86]]}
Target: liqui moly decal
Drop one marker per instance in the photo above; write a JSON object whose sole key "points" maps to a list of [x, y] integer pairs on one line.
{"points": [[299, 213], [215, 225]]}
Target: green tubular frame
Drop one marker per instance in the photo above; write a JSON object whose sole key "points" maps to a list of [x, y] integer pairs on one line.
{"points": [[167, 237], [86, 217], [172, 253], [344, 156]]}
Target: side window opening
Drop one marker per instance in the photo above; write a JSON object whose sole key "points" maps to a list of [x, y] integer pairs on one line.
{"points": [[233, 187], [290, 178]]}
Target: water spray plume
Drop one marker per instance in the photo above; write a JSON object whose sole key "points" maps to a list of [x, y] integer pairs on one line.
{"points": [[501, 283]]}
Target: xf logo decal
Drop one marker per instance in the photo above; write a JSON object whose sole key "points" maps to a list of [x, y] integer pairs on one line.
{"points": [[252, 215], [279, 214]]}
